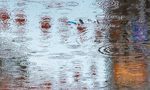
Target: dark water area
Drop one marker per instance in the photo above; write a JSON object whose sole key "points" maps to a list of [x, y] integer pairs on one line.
{"points": [[74, 45]]}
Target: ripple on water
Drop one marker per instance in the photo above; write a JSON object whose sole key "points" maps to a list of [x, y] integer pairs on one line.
{"points": [[73, 46], [80, 53], [72, 4], [121, 50], [107, 50], [60, 56], [21, 39], [12, 51], [56, 5], [27, 63]]}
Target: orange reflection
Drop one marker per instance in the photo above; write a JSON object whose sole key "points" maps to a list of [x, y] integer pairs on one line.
{"points": [[115, 34], [130, 72], [45, 23]]}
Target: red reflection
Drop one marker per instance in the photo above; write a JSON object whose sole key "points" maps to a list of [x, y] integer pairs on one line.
{"points": [[4, 16], [20, 19], [81, 31], [45, 24], [81, 28], [47, 86], [77, 72]]}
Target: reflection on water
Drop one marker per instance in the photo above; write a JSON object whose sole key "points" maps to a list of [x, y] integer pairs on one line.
{"points": [[74, 45], [130, 72], [20, 18], [45, 24]]}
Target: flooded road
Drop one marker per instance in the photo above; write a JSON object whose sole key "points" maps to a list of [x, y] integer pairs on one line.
{"points": [[74, 45]]}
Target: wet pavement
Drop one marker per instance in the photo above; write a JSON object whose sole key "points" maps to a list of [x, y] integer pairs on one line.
{"points": [[74, 45]]}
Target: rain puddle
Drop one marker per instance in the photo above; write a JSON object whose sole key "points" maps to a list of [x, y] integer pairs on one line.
{"points": [[74, 45]]}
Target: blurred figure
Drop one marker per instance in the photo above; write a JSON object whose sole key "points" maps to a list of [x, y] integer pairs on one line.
{"points": [[45, 24], [4, 16], [98, 35], [79, 83], [64, 29], [20, 19], [47, 85], [4, 19], [99, 31], [63, 82], [81, 30], [80, 26], [94, 75], [77, 74]]}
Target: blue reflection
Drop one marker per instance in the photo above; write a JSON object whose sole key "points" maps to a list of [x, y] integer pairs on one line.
{"points": [[139, 31]]}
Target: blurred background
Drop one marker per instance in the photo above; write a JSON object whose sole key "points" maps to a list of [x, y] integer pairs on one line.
{"points": [[74, 44]]}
